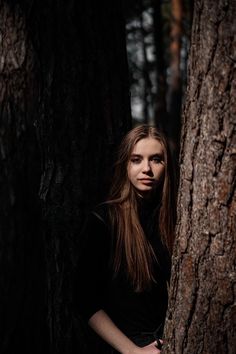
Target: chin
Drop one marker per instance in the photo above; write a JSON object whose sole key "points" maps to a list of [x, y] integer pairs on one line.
{"points": [[145, 191]]}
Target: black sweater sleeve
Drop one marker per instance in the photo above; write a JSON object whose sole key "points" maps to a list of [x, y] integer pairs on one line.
{"points": [[91, 273]]}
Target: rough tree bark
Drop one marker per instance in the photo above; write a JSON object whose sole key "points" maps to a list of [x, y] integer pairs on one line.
{"points": [[64, 76], [201, 316], [84, 112], [22, 262]]}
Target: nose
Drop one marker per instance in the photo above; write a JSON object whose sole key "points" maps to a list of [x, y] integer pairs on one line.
{"points": [[146, 166]]}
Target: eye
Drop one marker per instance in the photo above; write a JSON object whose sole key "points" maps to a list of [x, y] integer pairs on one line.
{"points": [[135, 160], [156, 159]]}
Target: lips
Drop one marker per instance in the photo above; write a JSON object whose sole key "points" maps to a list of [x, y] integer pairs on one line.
{"points": [[146, 180]]}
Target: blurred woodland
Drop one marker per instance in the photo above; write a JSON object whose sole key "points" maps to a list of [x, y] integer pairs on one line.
{"points": [[75, 76], [158, 39]]}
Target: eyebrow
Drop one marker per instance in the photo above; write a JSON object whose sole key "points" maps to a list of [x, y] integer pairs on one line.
{"points": [[153, 155]]}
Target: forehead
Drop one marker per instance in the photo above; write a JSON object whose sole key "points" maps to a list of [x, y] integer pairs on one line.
{"points": [[148, 146]]}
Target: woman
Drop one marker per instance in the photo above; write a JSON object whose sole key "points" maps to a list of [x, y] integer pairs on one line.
{"points": [[124, 266]]}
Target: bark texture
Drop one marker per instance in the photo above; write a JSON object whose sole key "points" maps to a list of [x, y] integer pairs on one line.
{"points": [[84, 112], [201, 316], [64, 104], [22, 263]]}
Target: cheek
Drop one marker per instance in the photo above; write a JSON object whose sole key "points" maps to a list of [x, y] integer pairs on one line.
{"points": [[131, 172], [160, 172]]}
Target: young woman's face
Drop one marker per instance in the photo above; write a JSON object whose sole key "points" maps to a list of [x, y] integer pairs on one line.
{"points": [[146, 165]]}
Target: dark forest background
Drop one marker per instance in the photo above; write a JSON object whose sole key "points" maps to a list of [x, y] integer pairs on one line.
{"points": [[71, 75], [75, 76]]}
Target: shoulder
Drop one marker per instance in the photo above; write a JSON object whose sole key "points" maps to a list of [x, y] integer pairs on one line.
{"points": [[101, 212], [96, 225]]}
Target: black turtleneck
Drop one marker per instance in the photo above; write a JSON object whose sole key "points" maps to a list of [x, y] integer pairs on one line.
{"points": [[133, 312]]}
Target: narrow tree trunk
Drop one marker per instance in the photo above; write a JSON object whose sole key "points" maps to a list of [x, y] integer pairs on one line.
{"points": [[201, 315], [145, 69], [160, 101], [174, 97]]}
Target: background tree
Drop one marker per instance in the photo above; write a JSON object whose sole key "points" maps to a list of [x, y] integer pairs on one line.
{"points": [[63, 76], [160, 106], [201, 315], [175, 92], [22, 262], [158, 35], [85, 112]]}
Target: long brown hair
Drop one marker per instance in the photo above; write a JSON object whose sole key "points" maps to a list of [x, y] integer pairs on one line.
{"points": [[131, 245]]}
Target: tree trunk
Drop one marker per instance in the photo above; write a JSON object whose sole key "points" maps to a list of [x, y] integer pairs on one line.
{"points": [[201, 315], [22, 262], [64, 76], [160, 102], [174, 96], [84, 112], [147, 96]]}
